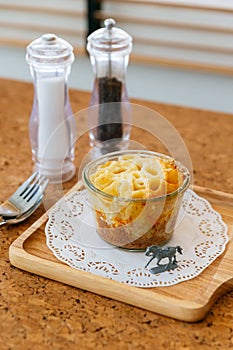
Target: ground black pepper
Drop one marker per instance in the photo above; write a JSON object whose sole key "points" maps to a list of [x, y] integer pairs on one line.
{"points": [[110, 90]]}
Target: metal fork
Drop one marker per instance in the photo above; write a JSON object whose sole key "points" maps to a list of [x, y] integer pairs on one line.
{"points": [[25, 196], [8, 220]]}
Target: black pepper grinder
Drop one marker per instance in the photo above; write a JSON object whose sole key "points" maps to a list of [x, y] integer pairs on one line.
{"points": [[110, 118]]}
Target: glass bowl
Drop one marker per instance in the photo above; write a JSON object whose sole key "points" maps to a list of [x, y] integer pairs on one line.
{"points": [[136, 196]]}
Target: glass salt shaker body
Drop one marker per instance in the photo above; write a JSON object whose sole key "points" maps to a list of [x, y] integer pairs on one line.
{"points": [[52, 126], [110, 115]]}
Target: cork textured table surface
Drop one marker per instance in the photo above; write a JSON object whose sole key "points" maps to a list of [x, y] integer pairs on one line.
{"points": [[38, 313]]}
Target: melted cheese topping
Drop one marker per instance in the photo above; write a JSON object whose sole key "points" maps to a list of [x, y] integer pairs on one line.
{"points": [[132, 176]]}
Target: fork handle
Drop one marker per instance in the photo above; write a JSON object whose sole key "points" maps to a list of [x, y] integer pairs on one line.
{"points": [[2, 221]]}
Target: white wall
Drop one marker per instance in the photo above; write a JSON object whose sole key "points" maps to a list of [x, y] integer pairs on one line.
{"points": [[195, 37], [182, 87]]}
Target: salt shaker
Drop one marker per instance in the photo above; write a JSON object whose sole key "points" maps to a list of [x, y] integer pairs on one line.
{"points": [[109, 113], [52, 125]]}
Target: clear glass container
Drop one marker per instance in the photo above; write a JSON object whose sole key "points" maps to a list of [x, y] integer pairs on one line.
{"points": [[52, 125], [135, 196], [110, 118]]}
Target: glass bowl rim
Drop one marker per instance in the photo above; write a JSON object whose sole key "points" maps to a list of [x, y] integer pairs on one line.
{"points": [[95, 162]]}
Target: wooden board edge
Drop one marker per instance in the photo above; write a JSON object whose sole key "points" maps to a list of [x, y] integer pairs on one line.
{"points": [[183, 310], [211, 194]]}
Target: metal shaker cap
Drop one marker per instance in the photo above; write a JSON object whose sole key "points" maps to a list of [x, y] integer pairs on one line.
{"points": [[109, 40], [49, 50]]}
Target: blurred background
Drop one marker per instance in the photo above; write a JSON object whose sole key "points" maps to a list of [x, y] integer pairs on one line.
{"points": [[182, 49]]}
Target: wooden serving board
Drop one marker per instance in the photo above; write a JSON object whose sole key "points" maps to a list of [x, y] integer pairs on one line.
{"points": [[188, 301]]}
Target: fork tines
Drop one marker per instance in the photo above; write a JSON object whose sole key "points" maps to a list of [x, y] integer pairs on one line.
{"points": [[35, 183]]}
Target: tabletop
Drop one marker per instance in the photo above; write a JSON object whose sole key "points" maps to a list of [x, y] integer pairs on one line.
{"points": [[39, 313]]}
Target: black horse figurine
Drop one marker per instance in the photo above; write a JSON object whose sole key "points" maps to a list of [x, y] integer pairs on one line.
{"points": [[162, 253]]}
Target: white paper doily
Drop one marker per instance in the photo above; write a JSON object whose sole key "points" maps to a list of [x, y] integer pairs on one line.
{"points": [[71, 236]]}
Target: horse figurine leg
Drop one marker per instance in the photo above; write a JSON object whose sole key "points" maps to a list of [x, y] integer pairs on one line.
{"points": [[153, 257], [158, 261], [153, 252], [179, 250]]}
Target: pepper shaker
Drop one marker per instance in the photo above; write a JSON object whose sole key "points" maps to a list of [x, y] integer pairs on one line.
{"points": [[52, 125], [110, 113]]}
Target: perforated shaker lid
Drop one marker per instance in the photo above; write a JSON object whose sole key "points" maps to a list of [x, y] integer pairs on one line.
{"points": [[109, 40], [49, 50]]}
